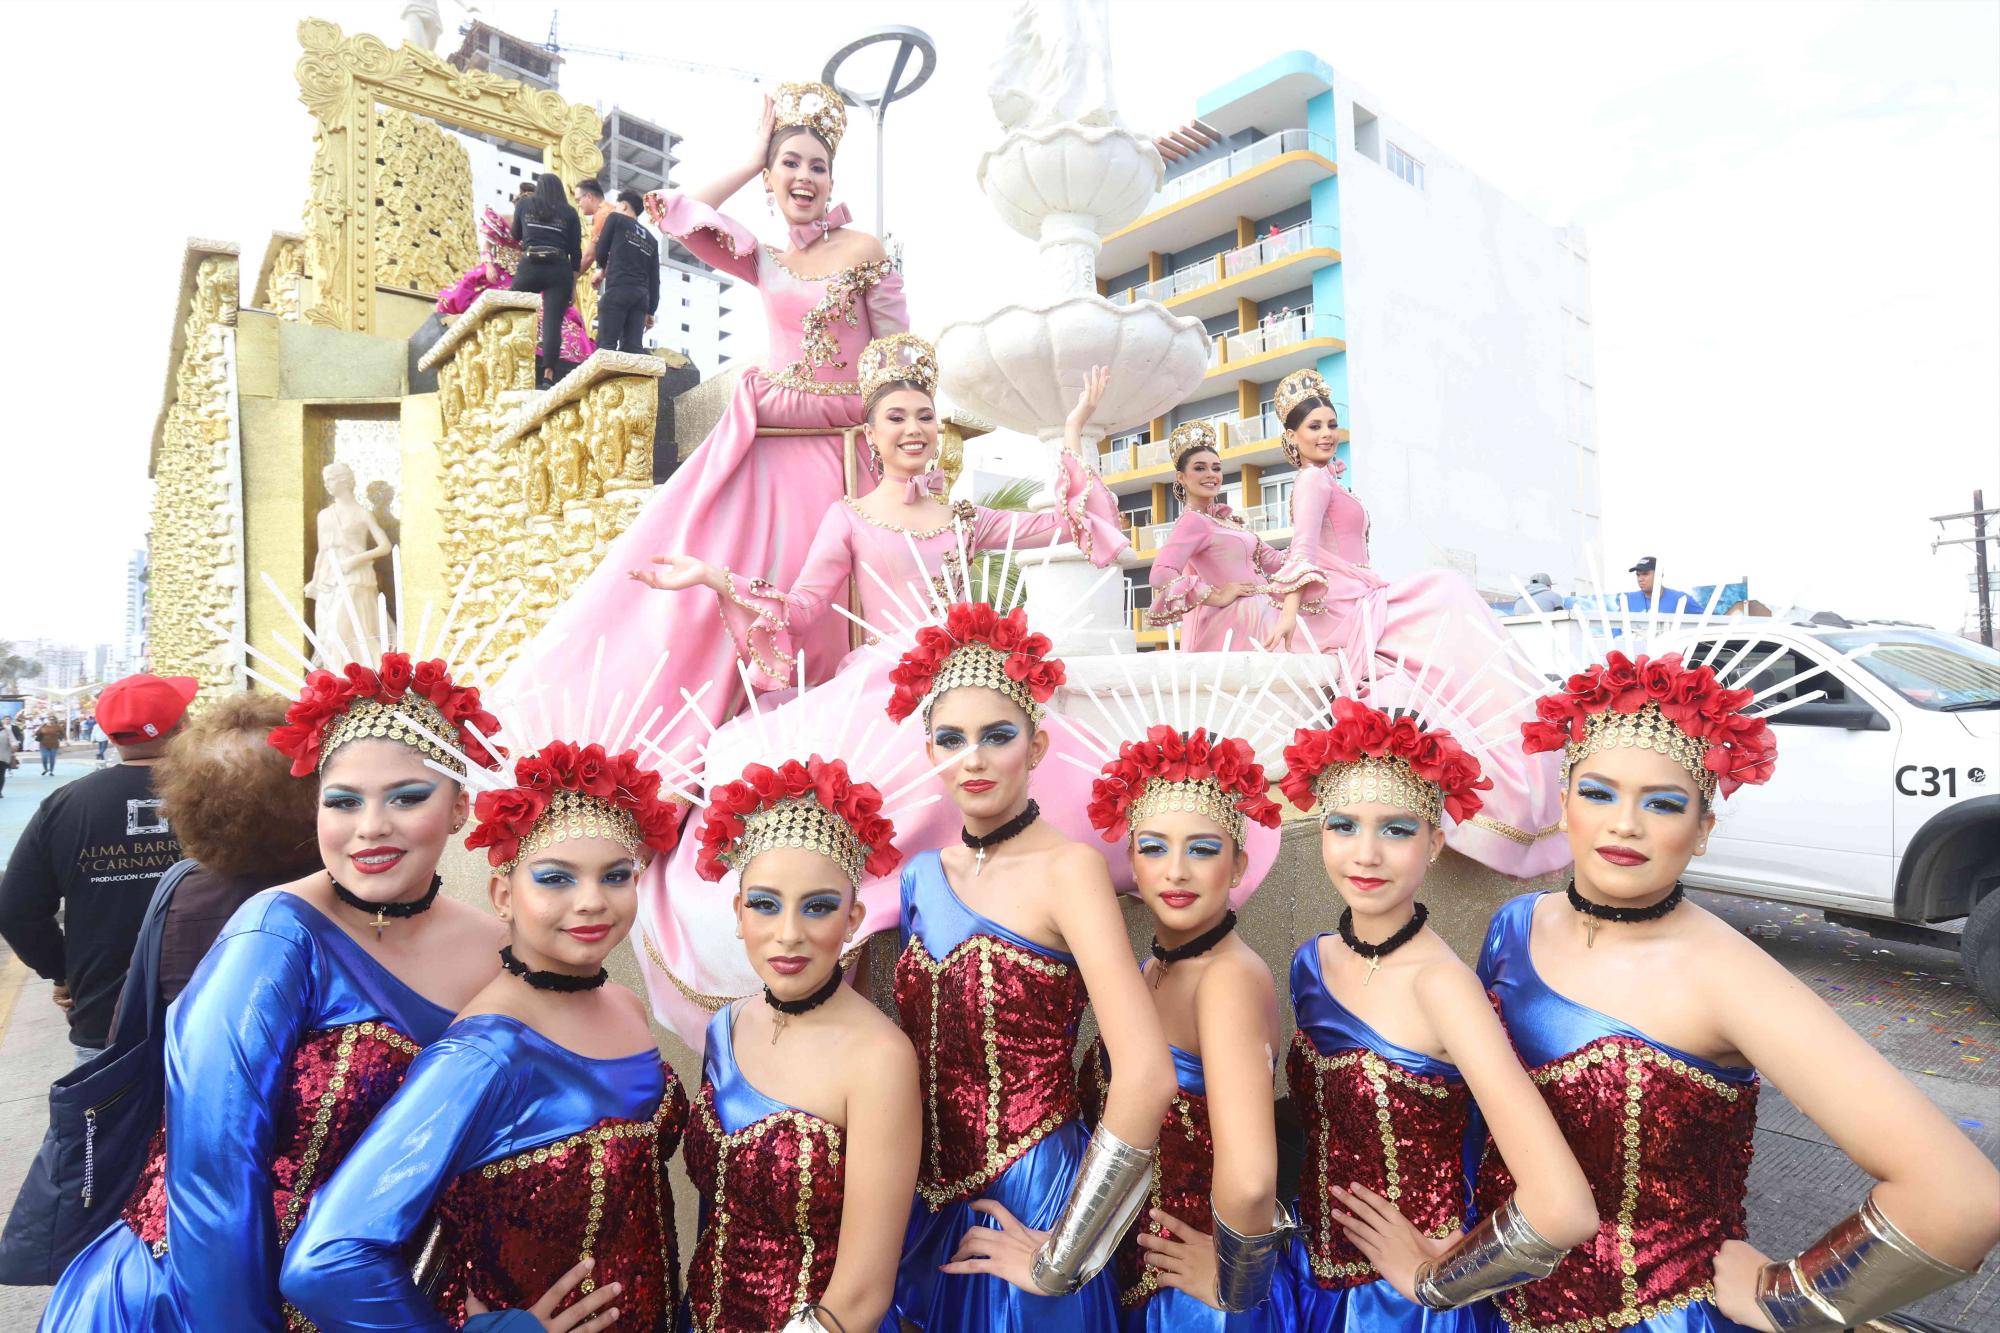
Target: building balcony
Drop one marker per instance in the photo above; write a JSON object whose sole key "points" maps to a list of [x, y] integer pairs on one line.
{"points": [[1277, 348], [1269, 267], [1256, 180], [1133, 461]]}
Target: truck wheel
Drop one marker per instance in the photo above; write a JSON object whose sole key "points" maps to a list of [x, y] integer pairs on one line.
{"points": [[1979, 951]]}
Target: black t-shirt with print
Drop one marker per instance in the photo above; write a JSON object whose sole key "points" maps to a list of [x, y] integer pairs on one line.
{"points": [[95, 849]]}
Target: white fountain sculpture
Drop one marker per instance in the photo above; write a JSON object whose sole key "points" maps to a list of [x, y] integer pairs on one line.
{"points": [[1067, 172]]}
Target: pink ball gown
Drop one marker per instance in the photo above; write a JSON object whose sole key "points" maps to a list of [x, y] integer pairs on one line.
{"points": [[687, 924], [1206, 549], [1425, 622]]}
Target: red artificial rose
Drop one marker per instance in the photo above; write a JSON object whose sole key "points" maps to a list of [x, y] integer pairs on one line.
{"points": [[395, 675], [1659, 677], [1619, 680], [431, 680], [594, 776]]}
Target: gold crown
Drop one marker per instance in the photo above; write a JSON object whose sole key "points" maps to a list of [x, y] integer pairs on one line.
{"points": [[984, 667], [576, 814], [1386, 779], [1198, 796], [370, 719], [1191, 435], [811, 106], [799, 821], [1296, 388], [1646, 729], [900, 357]]}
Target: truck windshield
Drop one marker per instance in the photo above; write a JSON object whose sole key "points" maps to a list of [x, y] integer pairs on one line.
{"points": [[1931, 670]]}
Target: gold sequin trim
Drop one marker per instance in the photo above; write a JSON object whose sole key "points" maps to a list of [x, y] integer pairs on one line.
{"points": [[951, 522], [1149, 1280], [844, 287], [1511, 833], [575, 814], [1388, 779], [1199, 796], [336, 1083], [370, 719], [998, 1156], [1646, 729]]}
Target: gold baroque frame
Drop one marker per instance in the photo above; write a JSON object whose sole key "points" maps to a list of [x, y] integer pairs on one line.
{"points": [[341, 81]]}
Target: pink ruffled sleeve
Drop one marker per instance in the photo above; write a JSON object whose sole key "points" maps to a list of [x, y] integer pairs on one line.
{"points": [[766, 622], [1312, 565], [1177, 587], [887, 311], [718, 239], [1084, 513]]}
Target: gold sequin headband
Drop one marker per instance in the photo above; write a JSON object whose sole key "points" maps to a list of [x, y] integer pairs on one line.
{"points": [[1646, 729], [985, 667], [798, 821], [1386, 779], [371, 719], [898, 358], [812, 106], [1200, 796], [575, 814], [1298, 387]]}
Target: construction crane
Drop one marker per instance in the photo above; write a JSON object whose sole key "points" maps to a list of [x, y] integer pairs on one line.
{"points": [[646, 58]]}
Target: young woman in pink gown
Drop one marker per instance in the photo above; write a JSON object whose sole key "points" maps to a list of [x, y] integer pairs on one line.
{"points": [[1205, 579], [1331, 601], [861, 545], [753, 493]]}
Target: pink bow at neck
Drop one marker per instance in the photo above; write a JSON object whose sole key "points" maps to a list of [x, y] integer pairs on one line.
{"points": [[930, 482], [805, 233]]}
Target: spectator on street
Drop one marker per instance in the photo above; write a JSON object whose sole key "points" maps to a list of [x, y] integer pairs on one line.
{"points": [[629, 258], [236, 809], [1541, 596], [10, 754], [49, 736], [1641, 598], [94, 851], [97, 736]]}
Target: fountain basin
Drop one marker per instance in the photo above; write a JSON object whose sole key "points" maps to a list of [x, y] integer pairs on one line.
{"points": [[1103, 172]]}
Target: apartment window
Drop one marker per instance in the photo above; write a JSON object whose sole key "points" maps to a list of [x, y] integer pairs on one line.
{"points": [[1411, 170], [1367, 133]]}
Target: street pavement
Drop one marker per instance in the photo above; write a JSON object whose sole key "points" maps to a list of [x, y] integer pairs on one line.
{"points": [[1912, 1003]]}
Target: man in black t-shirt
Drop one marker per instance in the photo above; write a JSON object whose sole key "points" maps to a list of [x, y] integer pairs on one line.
{"points": [[95, 849], [629, 258]]}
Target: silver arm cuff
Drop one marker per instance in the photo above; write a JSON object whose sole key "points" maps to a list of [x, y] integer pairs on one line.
{"points": [[1503, 1251], [1863, 1268], [1244, 1264], [1110, 1186]]}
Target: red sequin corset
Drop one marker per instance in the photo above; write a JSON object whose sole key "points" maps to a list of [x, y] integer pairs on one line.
{"points": [[773, 1190], [1183, 1174], [995, 1025], [1666, 1147], [603, 1193], [1370, 1121]]}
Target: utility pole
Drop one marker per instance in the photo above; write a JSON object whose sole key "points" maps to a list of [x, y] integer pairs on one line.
{"points": [[1982, 578]]}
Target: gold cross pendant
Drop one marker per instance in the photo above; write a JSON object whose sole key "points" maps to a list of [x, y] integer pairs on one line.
{"points": [[1590, 932], [1369, 975], [777, 1026], [381, 920]]}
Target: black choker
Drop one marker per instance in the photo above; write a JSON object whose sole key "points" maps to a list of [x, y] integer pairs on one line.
{"points": [[1197, 946], [979, 842], [563, 982], [1594, 913], [805, 1005], [386, 912], [1375, 953]]}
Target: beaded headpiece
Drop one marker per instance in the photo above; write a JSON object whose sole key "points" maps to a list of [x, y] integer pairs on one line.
{"points": [[812, 106], [976, 646], [1217, 777], [813, 805], [1298, 387], [898, 358], [364, 703], [565, 791], [1191, 435], [1367, 755]]}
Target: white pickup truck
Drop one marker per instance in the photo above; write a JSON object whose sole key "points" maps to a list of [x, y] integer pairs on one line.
{"points": [[1884, 813]]}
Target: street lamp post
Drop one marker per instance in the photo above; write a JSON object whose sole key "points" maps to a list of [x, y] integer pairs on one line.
{"points": [[909, 42]]}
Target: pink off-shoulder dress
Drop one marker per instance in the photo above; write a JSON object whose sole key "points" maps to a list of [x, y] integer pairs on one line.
{"points": [[1205, 550], [1412, 628]]}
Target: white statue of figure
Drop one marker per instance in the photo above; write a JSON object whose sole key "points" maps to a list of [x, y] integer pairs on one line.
{"points": [[1055, 67], [422, 24], [343, 585]]}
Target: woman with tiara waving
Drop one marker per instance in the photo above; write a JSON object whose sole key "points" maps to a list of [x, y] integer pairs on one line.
{"points": [[536, 1132], [1395, 1043], [1007, 935], [1189, 804], [1402, 631], [306, 1013], [1647, 1024], [1208, 577], [898, 544], [752, 495], [804, 1144]]}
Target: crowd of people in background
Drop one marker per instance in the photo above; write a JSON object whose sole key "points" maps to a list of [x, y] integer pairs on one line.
{"points": [[555, 258]]}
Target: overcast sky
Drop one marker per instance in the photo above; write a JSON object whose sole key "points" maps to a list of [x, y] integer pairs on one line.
{"points": [[1793, 213]]}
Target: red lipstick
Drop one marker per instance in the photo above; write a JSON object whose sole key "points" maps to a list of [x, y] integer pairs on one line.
{"points": [[1365, 883], [588, 934], [977, 786], [1179, 898], [1623, 856], [789, 966], [377, 860]]}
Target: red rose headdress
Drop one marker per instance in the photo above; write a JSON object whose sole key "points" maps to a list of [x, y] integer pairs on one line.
{"points": [[1215, 776], [1368, 755], [565, 791], [1661, 704], [978, 646], [816, 805], [414, 703]]}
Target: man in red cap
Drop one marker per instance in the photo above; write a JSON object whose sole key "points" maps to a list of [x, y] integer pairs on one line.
{"points": [[94, 850]]}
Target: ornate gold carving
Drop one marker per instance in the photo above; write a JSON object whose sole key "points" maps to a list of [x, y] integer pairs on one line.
{"points": [[197, 534], [281, 277], [342, 80], [423, 214]]}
